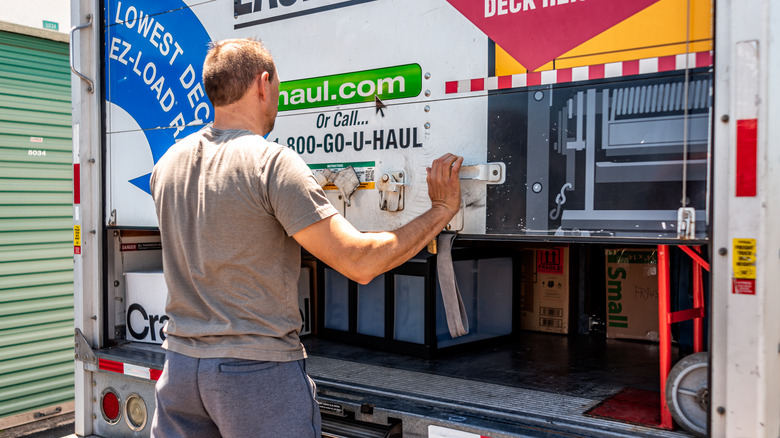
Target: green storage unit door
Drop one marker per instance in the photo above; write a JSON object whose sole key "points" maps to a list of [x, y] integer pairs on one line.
{"points": [[36, 225]]}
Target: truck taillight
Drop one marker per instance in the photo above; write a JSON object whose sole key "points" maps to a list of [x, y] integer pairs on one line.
{"points": [[109, 406], [135, 412]]}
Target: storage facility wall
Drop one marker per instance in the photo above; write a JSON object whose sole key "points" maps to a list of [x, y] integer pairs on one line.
{"points": [[36, 205]]}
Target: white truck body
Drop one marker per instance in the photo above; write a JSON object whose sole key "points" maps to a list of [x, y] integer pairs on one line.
{"points": [[589, 122]]}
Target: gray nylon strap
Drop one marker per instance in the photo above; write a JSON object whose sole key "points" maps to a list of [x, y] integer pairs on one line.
{"points": [[457, 320]]}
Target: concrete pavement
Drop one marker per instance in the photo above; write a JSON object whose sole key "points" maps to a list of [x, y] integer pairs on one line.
{"points": [[57, 427]]}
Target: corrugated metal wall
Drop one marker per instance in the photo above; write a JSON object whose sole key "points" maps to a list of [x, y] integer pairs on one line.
{"points": [[36, 225]]}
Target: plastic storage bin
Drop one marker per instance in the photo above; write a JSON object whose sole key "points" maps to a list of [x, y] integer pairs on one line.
{"points": [[402, 310]]}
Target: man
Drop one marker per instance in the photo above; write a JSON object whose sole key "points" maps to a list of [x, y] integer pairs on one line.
{"points": [[234, 211]]}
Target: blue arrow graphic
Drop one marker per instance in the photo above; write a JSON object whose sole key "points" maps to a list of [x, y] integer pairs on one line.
{"points": [[154, 64]]}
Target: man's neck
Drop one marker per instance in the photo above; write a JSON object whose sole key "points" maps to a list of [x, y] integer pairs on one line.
{"points": [[238, 117]]}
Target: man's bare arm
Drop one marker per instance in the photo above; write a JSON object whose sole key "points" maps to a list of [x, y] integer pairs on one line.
{"points": [[362, 256]]}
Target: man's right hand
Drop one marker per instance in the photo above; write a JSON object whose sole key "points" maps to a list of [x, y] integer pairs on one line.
{"points": [[444, 182]]}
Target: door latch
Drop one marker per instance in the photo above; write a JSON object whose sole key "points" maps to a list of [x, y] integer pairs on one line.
{"points": [[686, 223], [391, 191]]}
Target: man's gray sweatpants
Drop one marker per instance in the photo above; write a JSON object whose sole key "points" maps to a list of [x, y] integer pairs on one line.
{"points": [[234, 398]]}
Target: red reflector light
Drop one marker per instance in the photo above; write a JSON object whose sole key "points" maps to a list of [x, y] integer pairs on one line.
{"points": [[110, 406]]}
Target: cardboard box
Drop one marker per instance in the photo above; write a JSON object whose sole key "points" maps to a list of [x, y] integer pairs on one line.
{"points": [[147, 294], [544, 299], [632, 294], [145, 306]]}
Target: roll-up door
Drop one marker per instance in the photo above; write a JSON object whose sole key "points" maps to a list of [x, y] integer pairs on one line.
{"points": [[36, 253]]}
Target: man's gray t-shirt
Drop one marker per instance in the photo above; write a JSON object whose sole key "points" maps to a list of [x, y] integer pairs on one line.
{"points": [[227, 203]]}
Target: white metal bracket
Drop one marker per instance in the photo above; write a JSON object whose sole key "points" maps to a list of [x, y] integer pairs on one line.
{"points": [[83, 351], [456, 224]]}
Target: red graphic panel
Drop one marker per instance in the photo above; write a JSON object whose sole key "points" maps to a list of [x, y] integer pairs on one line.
{"points": [[76, 183], [747, 157], [535, 32], [549, 261]]}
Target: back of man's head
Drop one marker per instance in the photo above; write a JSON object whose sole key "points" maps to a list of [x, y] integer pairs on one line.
{"points": [[231, 66]]}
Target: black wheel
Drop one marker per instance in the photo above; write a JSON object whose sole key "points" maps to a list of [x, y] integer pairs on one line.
{"points": [[687, 393]]}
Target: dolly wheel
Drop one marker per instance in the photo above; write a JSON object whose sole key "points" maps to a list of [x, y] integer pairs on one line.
{"points": [[687, 393]]}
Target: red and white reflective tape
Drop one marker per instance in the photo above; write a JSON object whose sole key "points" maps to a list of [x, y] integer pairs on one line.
{"points": [[129, 370], [76, 192], [443, 432], [600, 71]]}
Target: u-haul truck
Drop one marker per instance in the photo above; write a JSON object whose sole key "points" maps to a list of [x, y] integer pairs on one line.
{"points": [[589, 127]]}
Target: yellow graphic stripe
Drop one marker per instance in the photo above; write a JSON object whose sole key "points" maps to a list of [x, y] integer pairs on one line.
{"points": [[362, 186], [659, 30]]}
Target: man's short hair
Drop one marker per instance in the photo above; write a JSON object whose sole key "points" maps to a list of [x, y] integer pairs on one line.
{"points": [[231, 66]]}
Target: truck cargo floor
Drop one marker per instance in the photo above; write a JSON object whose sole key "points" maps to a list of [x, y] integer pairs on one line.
{"points": [[553, 377]]}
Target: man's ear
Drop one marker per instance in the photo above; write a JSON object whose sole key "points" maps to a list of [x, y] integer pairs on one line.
{"points": [[262, 82]]}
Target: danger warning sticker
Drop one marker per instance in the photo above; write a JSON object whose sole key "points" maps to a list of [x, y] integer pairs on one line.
{"points": [[142, 246], [743, 287]]}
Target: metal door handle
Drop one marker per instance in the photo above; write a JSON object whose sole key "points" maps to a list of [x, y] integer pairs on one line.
{"points": [[90, 84], [492, 173]]}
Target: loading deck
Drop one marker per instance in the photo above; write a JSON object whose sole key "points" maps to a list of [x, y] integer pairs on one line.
{"points": [[539, 384]]}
